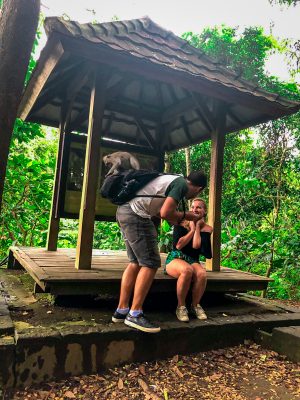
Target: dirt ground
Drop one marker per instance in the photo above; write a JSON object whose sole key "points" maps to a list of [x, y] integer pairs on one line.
{"points": [[245, 372]]}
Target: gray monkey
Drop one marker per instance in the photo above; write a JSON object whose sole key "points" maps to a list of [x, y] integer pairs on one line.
{"points": [[120, 161]]}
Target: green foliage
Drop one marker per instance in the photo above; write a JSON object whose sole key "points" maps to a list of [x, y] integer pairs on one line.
{"points": [[27, 192], [245, 54], [107, 235], [260, 187], [285, 2]]}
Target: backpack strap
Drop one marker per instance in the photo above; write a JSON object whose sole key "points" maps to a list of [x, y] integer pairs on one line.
{"points": [[150, 195]]}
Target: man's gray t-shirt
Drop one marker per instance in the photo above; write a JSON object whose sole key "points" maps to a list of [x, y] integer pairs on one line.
{"points": [[165, 185]]}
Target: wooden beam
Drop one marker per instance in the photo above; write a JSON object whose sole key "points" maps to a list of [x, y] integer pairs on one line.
{"points": [[111, 93], [56, 88], [235, 118], [76, 84], [138, 132], [159, 94], [161, 152], [178, 109], [146, 133], [50, 56], [203, 119], [206, 113], [53, 227], [215, 186], [186, 129], [121, 108], [91, 173], [109, 120], [133, 111]]}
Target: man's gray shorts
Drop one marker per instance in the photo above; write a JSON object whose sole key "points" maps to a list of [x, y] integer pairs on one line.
{"points": [[140, 236]]}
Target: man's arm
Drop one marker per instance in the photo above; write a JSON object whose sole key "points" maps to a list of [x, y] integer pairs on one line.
{"points": [[174, 217]]}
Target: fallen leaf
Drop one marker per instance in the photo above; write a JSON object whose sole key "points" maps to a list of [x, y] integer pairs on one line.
{"points": [[143, 385], [166, 396], [49, 312], [69, 395], [175, 358], [215, 377], [142, 369], [147, 390], [178, 372], [120, 384], [133, 374]]}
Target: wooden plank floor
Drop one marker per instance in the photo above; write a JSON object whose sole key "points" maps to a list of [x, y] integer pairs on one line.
{"points": [[55, 271]]}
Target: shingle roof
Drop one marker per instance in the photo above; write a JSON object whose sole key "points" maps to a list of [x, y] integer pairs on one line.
{"points": [[158, 84], [143, 38]]}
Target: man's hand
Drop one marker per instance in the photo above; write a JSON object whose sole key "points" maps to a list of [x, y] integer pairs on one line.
{"points": [[196, 217]]}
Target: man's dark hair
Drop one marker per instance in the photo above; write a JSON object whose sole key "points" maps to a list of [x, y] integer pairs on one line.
{"points": [[197, 178]]}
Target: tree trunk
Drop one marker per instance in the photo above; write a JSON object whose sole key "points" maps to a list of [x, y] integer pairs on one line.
{"points": [[276, 210], [167, 163], [18, 24], [187, 151]]}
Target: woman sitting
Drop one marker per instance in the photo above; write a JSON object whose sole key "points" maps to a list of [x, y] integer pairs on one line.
{"points": [[189, 241]]}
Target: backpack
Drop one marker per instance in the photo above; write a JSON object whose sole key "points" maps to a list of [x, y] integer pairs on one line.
{"points": [[122, 187]]}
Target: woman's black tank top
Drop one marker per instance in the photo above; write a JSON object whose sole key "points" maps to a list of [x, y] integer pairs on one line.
{"points": [[205, 248]]}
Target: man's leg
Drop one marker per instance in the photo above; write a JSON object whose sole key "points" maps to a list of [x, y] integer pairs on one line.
{"points": [[140, 238], [143, 283], [127, 284], [125, 218], [135, 318]]}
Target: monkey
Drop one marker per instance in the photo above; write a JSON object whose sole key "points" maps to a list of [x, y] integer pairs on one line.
{"points": [[120, 161]]}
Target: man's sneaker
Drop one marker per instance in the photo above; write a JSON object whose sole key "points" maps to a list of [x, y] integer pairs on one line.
{"points": [[198, 312], [182, 314], [118, 317], [141, 323]]}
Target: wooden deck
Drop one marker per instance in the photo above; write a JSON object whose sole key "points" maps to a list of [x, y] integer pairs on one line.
{"points": [[54, 272]]}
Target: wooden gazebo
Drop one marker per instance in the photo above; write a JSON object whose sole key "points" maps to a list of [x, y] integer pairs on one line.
{"points": [[130, 85]]}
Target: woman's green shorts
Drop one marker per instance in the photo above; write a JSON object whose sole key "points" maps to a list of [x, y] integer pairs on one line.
{"points": [[179, 254]]}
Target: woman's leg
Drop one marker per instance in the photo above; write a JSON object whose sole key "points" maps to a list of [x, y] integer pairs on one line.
{"points": [[199, 282], [183, 272]]}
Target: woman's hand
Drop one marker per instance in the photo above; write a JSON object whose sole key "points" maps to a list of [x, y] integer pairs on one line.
{"points": [[200, 224], [192, 225]]}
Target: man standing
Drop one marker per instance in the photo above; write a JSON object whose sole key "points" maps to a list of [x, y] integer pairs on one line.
{"points": [[140, 236]]}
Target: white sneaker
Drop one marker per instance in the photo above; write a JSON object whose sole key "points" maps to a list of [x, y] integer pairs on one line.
{"points": [[182, 314], [198, 312]]}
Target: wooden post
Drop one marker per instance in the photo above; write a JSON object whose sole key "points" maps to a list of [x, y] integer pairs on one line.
{"points": [[53, 227], [91, 174], [215, 186]]}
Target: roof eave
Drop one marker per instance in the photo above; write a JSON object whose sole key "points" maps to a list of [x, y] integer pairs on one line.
{"points": [[50, 56]]}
